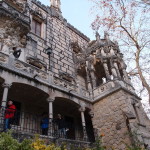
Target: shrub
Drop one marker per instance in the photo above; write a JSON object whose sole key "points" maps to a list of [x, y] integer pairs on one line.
{"points": [[7, 142]]}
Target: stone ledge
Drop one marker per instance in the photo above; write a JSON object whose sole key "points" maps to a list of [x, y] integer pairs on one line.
{"points": [[48, 84], [107, 93]]}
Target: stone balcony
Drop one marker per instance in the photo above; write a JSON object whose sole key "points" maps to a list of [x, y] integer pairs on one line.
{"points": [[46, 77], [110, 87]]}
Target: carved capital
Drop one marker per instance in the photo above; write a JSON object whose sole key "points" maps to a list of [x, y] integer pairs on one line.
{"points": [[49, 99], [91, 113], [82, 109], [6, 85], [104, 61]]}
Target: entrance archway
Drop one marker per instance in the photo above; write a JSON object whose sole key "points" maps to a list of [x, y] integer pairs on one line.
{"points": [[69, 110]]}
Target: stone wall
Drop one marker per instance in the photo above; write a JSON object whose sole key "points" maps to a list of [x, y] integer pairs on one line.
{"points": [[58, 34], [110, 120]]}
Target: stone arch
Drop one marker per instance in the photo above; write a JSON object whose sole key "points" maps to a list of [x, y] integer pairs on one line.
{"points": [[69, 105], [69, 110], [27, 95], [14, 78]]}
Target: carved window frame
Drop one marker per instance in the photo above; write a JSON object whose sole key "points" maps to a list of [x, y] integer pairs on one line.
{"points": [[36, 27], [40, 21]]}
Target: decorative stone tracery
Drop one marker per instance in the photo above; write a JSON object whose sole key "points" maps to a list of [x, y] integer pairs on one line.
{"points": [[103, 52]]}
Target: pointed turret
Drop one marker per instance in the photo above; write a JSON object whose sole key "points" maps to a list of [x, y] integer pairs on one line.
{"points": [[56, 4]]}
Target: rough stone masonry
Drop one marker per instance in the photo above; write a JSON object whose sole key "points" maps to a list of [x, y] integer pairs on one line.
{"points": [[50, 65]]}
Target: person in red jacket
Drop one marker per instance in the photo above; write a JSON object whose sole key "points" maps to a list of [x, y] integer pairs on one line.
{"points": [[9, 115]]}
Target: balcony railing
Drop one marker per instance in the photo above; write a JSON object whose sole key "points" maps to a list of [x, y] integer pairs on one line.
{"points": [[43, 76], [110, 85], [28, 123]]}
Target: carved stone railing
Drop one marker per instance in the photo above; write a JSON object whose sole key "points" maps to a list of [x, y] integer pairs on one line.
{"points": [[103, 88], [23, 68], [46, 77], [85, 93], [111, 85], [126, 85], [65, 84]]}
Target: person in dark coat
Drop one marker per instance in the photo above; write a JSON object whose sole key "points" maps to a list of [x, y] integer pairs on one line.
{"points": [[9, 115], [44, 124], [61, 126]]}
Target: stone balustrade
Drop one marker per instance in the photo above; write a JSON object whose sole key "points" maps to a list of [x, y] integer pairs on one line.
{"points": [[46, 77], [109, 86], [64, 84], [103, 88]]}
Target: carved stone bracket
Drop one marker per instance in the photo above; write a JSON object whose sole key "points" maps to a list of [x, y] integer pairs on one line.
{"points": [[18, 4], [36, 62], [66, 76]]}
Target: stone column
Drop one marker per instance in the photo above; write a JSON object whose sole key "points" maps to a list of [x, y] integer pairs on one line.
{"points": [[5, 94], [117, 69], [114, 72], [4, 101], [88, 82], [126, 78], [93, 78], [106, 70], [50, 101], [82, 110]]}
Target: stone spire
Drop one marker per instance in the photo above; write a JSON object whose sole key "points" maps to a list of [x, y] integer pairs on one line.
{"points": [[56, 4]]}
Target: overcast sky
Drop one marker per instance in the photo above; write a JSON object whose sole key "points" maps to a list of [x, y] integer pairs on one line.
{"points": [[78, 14]]}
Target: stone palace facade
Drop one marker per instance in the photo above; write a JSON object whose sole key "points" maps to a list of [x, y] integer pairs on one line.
{"points": [[47, 65]]}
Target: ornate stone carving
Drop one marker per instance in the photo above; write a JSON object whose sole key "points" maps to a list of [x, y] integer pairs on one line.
{"points": [[56, 4], [75, 46], [37, 12], [3, 59], [65, 84], [36, 62], [66, 76], [11, 37], [18, 4]]}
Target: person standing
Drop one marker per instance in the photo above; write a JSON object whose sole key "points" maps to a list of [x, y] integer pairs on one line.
{"points": [[44, 124], [9, 115], [61, 126]]}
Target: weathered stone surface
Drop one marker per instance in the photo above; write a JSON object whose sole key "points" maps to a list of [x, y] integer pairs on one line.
{"points": [[83, 72]]}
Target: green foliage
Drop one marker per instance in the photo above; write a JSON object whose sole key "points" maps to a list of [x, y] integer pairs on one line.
{"points": [[7, 142], [136, 144], [26, 145], [98, 144]]}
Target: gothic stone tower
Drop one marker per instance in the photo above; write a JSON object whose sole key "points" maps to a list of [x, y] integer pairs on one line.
{"points": [[117, 109]]}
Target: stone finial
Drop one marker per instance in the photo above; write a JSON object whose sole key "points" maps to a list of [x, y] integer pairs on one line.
{"points": [[106, 35], [97, 36], [56, 4]]}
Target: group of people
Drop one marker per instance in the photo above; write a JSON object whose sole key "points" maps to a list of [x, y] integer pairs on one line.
{"points": [[58, 124]]}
